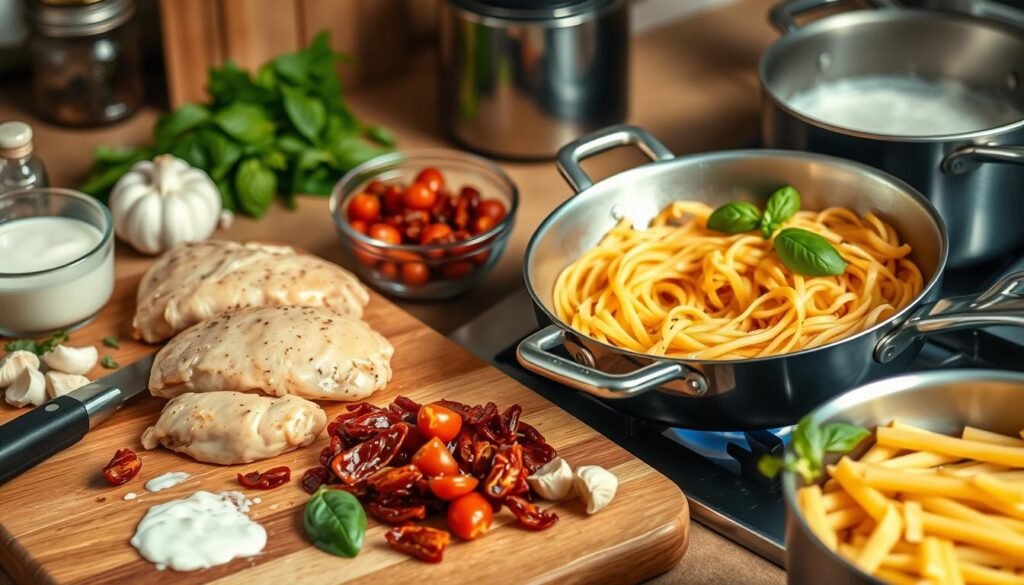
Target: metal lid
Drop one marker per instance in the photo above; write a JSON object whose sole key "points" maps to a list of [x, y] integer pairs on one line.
{"points": [[77, 18], [15, 140], [531, 9]]}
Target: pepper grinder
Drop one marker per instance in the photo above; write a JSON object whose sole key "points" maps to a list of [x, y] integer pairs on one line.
{"points": [[18, 168]]}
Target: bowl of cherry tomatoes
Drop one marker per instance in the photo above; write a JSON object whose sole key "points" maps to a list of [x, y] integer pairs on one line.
{"points": [[424, 224]]}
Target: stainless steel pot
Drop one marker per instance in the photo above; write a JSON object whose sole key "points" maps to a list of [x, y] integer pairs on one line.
{"points": [[737, 394], [941, 401], [975, 179], [520, 78]]}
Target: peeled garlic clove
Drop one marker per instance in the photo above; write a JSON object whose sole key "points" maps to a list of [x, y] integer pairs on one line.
{"points": [[59, 384], [596, 486], [28, 388], [13, 363], [553, 481], [72, 360]]}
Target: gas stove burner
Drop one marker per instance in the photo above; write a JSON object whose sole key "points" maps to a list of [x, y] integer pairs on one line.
{"points": [[736, 451]]}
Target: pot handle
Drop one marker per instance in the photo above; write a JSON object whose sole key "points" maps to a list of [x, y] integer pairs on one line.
{"points": [[783, 15], [533, 353], [1001, 304], [966, 159], [570, 155]]}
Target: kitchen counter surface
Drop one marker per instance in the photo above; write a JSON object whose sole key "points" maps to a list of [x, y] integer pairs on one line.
{"points": [[694, 86]]}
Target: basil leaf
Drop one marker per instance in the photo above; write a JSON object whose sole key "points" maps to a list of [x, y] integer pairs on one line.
{"points": [[108, 155], [782, 205], [109, 363], [807, 441], [307, 114], [265, 77], [176, 123], [112, 341], [842, 437], [275, 159], [56, 339], [770, 465], [247, 123], [227, 194], [734, 218], [230, 85], [810, 443], [335, 522], [21, 345], [293, 66], [292, 144], [380, 135], [223, 152], [352, 151], [255, 185], [190, 149], [808, 254]]}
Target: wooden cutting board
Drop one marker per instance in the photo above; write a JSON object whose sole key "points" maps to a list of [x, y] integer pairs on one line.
{"points": [[60, 522]]}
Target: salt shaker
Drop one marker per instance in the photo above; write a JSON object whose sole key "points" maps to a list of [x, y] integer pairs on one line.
{"points": [[18, 168]]}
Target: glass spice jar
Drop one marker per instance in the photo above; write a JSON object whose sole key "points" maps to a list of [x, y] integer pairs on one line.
{"points": [[85, 60]]}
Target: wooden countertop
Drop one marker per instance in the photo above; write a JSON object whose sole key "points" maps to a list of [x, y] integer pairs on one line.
{"points": [[694, 86]]}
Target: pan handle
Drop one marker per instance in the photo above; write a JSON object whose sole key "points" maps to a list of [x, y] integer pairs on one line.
{"points": [[783, 15], [533, 353], [571, 155], [1001, 304], [966, 159]]}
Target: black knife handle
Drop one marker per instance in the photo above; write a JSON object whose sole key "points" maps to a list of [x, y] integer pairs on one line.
{"points": [[36, 435]]}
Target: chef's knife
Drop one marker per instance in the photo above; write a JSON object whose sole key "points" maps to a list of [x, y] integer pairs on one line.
{"points": [[55, 425]]}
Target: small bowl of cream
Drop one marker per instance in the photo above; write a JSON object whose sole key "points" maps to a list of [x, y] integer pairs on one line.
{"points": [[56, 260]]}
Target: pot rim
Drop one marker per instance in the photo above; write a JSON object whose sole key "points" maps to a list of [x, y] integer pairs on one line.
{"points": [[829, 410], [624, 177], [846, 19]]}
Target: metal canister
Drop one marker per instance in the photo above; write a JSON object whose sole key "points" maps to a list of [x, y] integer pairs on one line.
{"points": [[520, 78]]}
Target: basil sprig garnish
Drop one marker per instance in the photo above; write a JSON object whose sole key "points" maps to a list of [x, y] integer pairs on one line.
{"points": [[810, 445], [802, 251], [334, 520]]}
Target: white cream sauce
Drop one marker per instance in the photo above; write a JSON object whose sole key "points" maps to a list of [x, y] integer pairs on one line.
{"points": [[41, 243], [199, 532], [903, 106], [167, 480]]}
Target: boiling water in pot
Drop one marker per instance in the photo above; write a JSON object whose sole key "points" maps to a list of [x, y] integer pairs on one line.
{"points": [[903, 106]]}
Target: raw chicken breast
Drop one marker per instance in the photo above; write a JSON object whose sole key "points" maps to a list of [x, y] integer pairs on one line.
{"points": [[310, 352], [234, 427], [198, 280]]}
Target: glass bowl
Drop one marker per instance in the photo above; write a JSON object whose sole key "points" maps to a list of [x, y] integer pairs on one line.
{"points": [[56, 260], [431, 271]]}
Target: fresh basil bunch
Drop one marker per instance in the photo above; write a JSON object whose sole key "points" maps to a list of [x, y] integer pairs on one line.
{"points": [[810, 444], [284, 129], [802, 251], [335, 521]]}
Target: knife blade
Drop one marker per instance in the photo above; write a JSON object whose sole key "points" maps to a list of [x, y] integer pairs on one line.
{"points": [[54, 426]]}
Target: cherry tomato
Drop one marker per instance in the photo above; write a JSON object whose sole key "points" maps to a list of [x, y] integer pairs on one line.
{"points": [[434, 459], [385, 233], [434, 420], [358, 225], [375, 187], [366, 258], [434, 232], [365, 207], [457, 270], [453, 486], [393, 200], [419, 196], [491, 208], [415, 273], [388, 270], [483, 223], [431, 177], [480, 258], [470, 516]]}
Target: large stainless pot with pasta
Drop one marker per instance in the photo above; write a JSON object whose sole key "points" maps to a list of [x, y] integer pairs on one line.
{"points": [[705, 330]]}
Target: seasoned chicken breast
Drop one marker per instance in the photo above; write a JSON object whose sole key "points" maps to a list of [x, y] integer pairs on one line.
{"points": [[310, 352], [198, 280], [235, 427]]}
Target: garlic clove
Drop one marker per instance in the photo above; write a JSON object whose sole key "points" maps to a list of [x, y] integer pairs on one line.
{"points": [[72, 360], [553, 481], [596, 486], [14, 363], [28, 388], [59, 384]]}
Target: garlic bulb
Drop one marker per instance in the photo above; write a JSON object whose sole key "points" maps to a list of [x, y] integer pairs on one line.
{"points": [[28, 388], [13, 363], [596, 486], [553, 481], [59, 384], [160, 203], [71, 360]]}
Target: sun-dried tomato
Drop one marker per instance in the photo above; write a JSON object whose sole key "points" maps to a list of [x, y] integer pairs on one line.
{"points": [[530, 515], [510, 423], [396, 512], [530, 434], [351, 411], [329, 452], [369, 425], [483, 454], [313, 478], [536, 455], [414, 439], [462, 449], [403, 407], [422, 542], [480, 415], [358, 491], [268, 480], [395, 480], [505, 471], [122, 467], [359, 462]]}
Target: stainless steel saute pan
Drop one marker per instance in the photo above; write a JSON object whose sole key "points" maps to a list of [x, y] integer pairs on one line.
{"points": [[752, 393]]}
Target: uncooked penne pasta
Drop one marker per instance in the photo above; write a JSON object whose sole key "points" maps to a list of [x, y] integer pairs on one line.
{"points": [[971, 468], [928, 441], [951, 562], [953, 509], [918, 460], [912, 528], [983, 436], [879, 453], [814, 512], [885, 535], [1007, 492], [931, 563], [873, 502], [846, 518]]}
